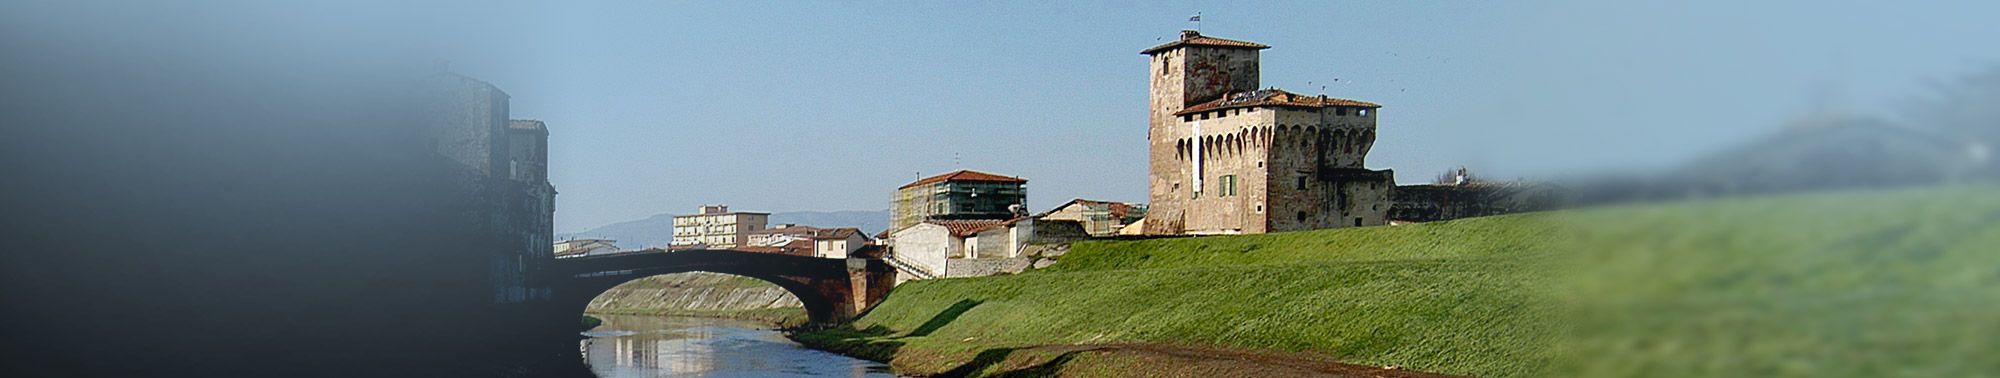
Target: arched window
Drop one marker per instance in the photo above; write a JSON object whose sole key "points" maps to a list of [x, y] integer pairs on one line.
{"points": [[1347, 143], [1307, 138]]}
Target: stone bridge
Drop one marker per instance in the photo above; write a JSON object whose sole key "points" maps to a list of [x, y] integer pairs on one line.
{"points": [[833, 290]]}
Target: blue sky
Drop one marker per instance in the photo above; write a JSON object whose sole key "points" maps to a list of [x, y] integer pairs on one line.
{"points": [[781, 106]]}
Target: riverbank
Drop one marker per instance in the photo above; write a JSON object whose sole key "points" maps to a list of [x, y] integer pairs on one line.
{"points": [[705, 295], [1858, 283], [775, 317]]}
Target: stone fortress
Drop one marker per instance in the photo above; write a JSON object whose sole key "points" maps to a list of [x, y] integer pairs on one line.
{"points": [[1230, 157]]}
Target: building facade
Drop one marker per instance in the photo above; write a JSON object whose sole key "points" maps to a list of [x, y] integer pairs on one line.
{"points": [[502, 165], [585, 247], [1099, 218], [838, 243], [1229, 157], [780, 234], [962, 194], [718, 228]]}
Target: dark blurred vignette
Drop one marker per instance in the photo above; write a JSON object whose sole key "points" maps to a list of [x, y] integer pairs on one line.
{"points": [[184, 198]]}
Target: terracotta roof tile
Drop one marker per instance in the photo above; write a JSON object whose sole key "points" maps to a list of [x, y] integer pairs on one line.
{"points": [[837, 233], [1193, 38], [1273, 97], [963, 175], [1118, 210], [967, 227]]}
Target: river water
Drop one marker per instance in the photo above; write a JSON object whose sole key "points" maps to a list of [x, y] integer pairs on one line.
{"points": [[654, 346]]}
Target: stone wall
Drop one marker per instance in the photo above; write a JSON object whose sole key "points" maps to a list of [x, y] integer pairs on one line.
{"points": [[1181, 77], [1255, 169], [986, 267]]}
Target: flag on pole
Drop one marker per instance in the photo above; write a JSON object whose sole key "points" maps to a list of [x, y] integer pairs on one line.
{"points": [[1195, 18]]}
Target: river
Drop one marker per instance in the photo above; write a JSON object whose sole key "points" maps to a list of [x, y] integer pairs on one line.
{"points": [[627, 346]]}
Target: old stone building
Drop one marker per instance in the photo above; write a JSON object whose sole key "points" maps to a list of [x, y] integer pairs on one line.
{"points": [[1099, 218], [939, 248], [1458, 194], [1230, 157], [962, 194], [502, 166]]}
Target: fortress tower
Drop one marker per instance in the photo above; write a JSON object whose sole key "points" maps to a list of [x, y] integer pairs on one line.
{"points": [[1228, 157]]}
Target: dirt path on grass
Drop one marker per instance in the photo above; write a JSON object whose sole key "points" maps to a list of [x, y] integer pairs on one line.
{"points": [[1155, 360]]}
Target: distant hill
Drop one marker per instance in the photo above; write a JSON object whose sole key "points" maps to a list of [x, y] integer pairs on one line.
{"points": [[657, 230], [1819, 154]]}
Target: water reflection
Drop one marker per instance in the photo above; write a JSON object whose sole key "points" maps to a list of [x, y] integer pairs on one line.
{"points": [[652, 346]]}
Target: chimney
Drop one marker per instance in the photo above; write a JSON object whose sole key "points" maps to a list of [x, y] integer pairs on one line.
{"points": [[1190, 34]]}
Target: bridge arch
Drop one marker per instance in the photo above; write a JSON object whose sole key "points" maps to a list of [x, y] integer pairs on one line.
{"points": [[832, 290]]}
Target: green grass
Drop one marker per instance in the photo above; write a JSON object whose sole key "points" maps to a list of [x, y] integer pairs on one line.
{"points": [[1867, 283], [1860, 284], [1383, 295]]}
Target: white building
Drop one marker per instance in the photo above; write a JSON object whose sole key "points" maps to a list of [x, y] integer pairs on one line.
{"points": [[585, 247], [838, 243], [717, 227], [929, 246]]}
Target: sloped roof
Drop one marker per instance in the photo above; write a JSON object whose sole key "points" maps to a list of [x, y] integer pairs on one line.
{"points": [[967, 227], [1194, 38], [837, 233], [963, 175], [1117, 209], [1273, 97]]}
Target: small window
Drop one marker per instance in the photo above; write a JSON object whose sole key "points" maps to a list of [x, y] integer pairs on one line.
{"points": [[1363, 112], [1204, 115], [1357, 222], [1302, 217], [1187, 118], [1302, 183], [1339, 111], [1260, 209]]}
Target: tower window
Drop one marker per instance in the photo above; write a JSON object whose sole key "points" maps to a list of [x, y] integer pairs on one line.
{"points": [[1302, 183], [1302, 217], [1364, 112], [1339, 111], [1204, 115]]}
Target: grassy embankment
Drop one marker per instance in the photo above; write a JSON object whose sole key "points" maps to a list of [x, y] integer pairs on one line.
{"points": [[1844, 284]]}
